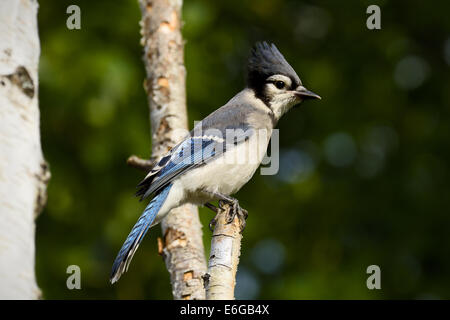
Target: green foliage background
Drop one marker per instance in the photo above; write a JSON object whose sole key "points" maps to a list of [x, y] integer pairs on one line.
{"points": [[364, 172]]}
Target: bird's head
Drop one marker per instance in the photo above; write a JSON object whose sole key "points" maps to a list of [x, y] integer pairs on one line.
{"points": [[274, 81]]}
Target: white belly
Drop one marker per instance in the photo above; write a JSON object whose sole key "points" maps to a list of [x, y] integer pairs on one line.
{"points": [[228, 173]]}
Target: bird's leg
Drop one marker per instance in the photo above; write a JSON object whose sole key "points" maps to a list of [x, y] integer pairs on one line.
{"points": [[236, 210]]}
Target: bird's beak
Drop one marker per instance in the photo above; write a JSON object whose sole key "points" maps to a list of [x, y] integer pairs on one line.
{"points": [[304, 93]]}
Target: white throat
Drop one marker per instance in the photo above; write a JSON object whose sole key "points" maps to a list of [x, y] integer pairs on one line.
{"points": [[280, 104]]}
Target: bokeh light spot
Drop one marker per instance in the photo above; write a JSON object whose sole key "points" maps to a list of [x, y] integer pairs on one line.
{"points": [[340, 149], [411, 72]]}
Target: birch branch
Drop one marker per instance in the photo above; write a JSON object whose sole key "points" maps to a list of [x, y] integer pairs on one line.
{"points": [[141, 164], [181, 246], [23, 172], [220, 280]]}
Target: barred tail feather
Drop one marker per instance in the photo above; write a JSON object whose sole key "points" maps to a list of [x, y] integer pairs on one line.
{"points": [[136, 235]]}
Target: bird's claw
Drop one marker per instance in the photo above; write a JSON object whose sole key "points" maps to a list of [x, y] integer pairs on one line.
{"points": [[213, 223], [236, 209], [222, 204], [241, 213]]}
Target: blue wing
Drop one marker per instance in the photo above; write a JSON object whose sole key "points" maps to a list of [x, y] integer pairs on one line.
{"points": [[191, 153]]}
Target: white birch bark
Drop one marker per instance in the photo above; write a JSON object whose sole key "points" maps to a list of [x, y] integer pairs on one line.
{"points": [[23, 171], [181, 246], [220, 280]]}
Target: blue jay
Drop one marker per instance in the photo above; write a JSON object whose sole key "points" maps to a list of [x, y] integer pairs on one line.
{"points": [[197, 170]]}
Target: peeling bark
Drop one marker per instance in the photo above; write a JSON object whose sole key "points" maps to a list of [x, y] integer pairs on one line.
{"points": [[23, 172], [182, 246]]}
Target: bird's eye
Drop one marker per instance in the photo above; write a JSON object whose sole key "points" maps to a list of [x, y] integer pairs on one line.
{"points": [[279, 84]]}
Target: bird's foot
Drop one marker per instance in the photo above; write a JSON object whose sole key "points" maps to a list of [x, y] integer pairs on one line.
{"points": [[232, 211], [236, 210]]}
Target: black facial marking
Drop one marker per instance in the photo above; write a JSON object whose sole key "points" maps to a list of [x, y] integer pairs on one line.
{"points": [[259, 84], [294, 83], [260, 93]]}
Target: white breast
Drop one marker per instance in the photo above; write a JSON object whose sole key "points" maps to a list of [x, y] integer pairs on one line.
{"points": [[228, 173]]}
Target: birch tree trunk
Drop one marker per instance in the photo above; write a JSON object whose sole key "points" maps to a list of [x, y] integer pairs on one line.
{"points": [[23, 171], [181, 246]]}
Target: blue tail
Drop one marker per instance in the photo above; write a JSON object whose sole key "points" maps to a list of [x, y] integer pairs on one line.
{"points": [[136, 235]]}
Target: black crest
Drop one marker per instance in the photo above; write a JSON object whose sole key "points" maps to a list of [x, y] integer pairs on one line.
{"points": [[266, 60]]}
